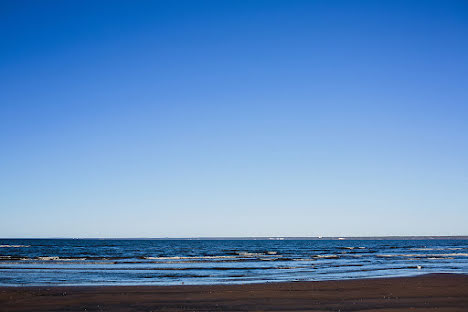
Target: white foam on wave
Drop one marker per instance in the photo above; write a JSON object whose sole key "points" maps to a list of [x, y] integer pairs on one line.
{"points": [[351, 248], [55, 258], [48, 258], [14, 246], [250, 254], [189, 258], [289, 267], [451, 255], [241, 254], [257, 254], [429, 249], [423, 255], [326, 256]]}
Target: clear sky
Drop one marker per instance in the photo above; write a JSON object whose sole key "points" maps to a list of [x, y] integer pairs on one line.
{"points": [[233, 118]]}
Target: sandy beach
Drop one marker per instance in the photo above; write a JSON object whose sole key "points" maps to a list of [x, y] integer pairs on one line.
{"points": [[438, 292]]}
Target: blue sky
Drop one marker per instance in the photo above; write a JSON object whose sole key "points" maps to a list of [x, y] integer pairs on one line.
{"points": [[233, 118]]}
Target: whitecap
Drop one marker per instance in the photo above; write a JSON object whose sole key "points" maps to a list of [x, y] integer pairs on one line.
{"points": [[250, 254], [189, 258], [423, 255], [327, 256], [48, 258]]}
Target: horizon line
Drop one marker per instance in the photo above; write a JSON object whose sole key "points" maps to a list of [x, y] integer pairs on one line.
{"points": [[260, 237]]}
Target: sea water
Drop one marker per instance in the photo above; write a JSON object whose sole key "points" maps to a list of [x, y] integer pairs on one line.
{"points": [[175, 262]]}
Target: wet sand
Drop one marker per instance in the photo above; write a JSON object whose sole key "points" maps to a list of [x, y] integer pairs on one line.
{"points": [[434, 292]]}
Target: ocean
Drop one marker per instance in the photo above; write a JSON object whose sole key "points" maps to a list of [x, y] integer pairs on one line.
{"points": [[28, 262]]}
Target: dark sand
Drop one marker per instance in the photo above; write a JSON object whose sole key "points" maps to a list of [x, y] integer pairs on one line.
{"points": [[435, 292]]}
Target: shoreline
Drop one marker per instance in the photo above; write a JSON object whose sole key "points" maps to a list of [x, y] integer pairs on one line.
{"points": [[230, 283], [444, 291]]}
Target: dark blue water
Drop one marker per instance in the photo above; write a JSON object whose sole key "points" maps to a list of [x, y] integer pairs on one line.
{"points": [[169, 262]]}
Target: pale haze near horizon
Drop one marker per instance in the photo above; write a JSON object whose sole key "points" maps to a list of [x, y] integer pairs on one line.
{"points": [[192, 119]]}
